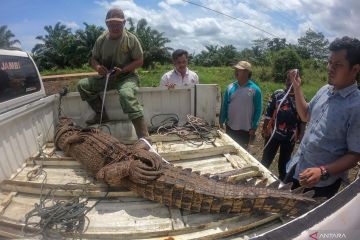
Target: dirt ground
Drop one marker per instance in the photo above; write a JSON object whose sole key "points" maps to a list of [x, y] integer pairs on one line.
{"points": [[257, 148], [53, 87]]}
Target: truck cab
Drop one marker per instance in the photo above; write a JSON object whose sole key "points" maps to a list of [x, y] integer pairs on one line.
{"points": [[20, 81]]}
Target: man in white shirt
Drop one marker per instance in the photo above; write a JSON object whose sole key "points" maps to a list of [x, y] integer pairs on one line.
{"points": [[181, 75]]}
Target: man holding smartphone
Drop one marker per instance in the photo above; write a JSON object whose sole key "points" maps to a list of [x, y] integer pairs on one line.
{"points": [[331, 144]]}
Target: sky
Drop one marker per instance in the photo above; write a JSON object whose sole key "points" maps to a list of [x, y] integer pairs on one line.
{"points": [[189, 26]]}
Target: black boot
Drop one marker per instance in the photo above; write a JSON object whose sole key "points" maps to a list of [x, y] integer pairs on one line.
{"points": [[96, 106], [140, 127]]}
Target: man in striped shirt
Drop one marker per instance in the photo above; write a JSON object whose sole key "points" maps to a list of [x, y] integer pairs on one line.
{"points": [[242, 106]]}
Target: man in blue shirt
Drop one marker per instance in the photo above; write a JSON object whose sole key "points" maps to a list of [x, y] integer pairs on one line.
{"points": [[331, 144], [242, 106]]}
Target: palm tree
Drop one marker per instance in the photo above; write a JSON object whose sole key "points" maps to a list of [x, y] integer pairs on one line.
{"points": [[87, 38], [206, 57], [6, 36], [215, 56], [58, 47], [227, 55], [152, 41]]}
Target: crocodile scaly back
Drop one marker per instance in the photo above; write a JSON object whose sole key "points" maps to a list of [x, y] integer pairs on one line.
{"points": [[145, 173]]}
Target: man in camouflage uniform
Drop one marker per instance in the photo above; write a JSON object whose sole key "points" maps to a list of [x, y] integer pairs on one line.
{"points": [[120, 51]]}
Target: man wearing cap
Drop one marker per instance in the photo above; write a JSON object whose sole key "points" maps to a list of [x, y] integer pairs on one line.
{"points": [[242, 106], [181, 75], [118, 52]]}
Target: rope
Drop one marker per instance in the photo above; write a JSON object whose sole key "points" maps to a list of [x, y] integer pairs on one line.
{"points": [[277, 111], [151, 149], [38, 171], [105, 126], [54, 216], [58, 217], [61, 216], [171, 120], [61, 94], [104, 95], [194, 125]]}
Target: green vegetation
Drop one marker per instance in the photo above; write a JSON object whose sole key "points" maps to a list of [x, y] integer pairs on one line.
{"points": [[62, 52], [6, 38], [152, 42], [312, 79], [60, 48], [285, 59]]}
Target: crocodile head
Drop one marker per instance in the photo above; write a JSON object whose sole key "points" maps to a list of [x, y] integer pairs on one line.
{"points": [[65, 121]]}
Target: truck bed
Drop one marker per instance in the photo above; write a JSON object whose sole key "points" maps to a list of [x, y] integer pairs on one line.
{"points": [[123, 215], [26, 144]]}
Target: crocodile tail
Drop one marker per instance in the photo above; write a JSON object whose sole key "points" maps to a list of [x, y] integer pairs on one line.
{"points": [[182, 188]]}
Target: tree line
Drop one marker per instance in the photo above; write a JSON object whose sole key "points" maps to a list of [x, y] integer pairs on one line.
{"points": [[61, 48]]}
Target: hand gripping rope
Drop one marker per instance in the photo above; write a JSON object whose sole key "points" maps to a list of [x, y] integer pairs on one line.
{"points": [[104, 95]]}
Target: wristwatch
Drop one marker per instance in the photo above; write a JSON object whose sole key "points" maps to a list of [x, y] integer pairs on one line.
{"points": [[324, 173]]}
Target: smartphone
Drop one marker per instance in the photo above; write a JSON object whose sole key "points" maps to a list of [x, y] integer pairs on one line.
{"points": [[112, 72], [297, 73]]}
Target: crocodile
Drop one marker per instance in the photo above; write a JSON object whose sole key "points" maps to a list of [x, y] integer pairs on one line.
{"points": [[145, 173]]}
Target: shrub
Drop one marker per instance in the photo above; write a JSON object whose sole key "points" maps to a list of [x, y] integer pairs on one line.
{"points": [[284, 60]]}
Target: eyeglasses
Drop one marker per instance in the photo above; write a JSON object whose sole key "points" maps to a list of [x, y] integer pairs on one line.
{"points": [[115, 24]]}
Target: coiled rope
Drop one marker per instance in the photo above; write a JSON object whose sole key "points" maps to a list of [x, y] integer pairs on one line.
{"points": [[194, 126]]}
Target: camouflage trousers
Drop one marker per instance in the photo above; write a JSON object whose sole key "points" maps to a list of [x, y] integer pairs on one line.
{"points": [[127, 87]]}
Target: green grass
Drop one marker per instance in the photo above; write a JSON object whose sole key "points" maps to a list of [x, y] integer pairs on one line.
{"points": [[223, 76]]}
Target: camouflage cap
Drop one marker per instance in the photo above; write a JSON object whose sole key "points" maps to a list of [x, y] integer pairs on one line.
{"points": [[115, 14]]}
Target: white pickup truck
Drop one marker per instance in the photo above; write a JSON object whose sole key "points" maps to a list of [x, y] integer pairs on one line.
{"points": [[27, 122]]}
